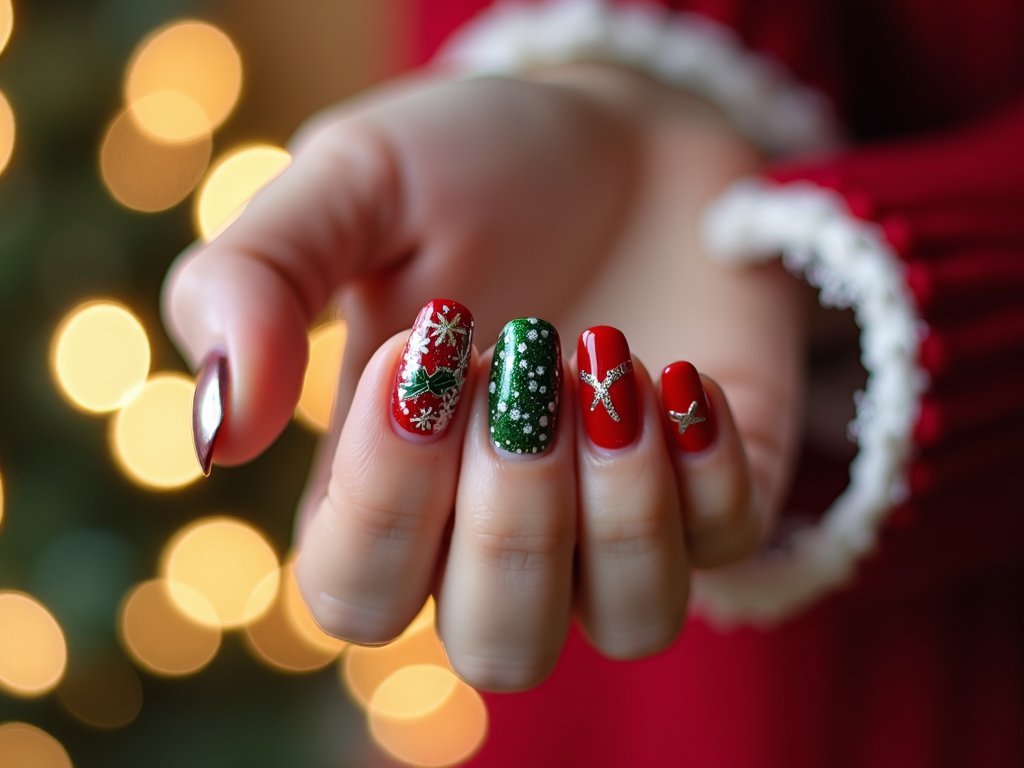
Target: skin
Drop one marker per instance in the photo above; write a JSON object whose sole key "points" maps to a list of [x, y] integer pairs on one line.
{"points": [[574, 196]]}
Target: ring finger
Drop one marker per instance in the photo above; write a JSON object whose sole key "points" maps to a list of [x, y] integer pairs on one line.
{"points": [[633, 570]]}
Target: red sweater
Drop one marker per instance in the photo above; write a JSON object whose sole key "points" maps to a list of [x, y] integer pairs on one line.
{"points": [[917, 659]]}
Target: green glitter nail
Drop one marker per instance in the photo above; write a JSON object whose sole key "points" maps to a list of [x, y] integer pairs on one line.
{"points": [[525, 385]]}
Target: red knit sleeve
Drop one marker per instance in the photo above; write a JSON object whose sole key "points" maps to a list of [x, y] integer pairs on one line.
{"points": [[922, 238], [952, 209]]}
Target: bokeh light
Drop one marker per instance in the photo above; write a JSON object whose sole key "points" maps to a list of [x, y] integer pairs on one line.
{"points": [[365, 668], [146, 174], [103, 692], [100, 356], [231, 183], [170, 116], [33, 653], [7, 131], [25, 746], [151, 436], [326, 349], [194, 60], [287, 637], [229, 563], [161, 639], [6, 22], [424, 715]]}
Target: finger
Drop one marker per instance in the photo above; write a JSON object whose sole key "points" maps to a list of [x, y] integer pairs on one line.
{"points": [[367, 557], [725, 513], [633, 573], [254, 290], [505, 597]]}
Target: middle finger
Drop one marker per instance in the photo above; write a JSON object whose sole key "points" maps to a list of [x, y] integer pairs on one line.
{"points": [[505, 597]]}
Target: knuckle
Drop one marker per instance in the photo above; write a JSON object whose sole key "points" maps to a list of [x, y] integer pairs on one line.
{"points": [[639, 535], [521, 545], [501, 674], [377, 518]]}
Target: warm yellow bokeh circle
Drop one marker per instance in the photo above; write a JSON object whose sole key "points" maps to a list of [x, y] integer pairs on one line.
{"points": [[151, 436], [8, 131], [286, 637], [326, 349], [33, 653], [100, 356], [163, 640], [226, 561], [25, 746], [170, 116], [193, 59], [232, 181], [425, 716], [147, 174], [6, 22]]}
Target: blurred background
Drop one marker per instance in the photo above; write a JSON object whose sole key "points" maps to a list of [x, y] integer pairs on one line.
{"points": [[149, 616]]}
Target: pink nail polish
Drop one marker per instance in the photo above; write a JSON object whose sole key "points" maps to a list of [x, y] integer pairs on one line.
{"points": [[433, 369], [209, 404], [686, 406]]}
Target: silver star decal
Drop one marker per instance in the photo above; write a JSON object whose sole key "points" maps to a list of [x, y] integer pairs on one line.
{"points": [[684, 420], [601, 394], [446, 329]]}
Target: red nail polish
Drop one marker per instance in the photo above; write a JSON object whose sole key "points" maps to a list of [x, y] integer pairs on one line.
{"points": [[209, 404], [433, 368], [608, 397], [686, 406]]}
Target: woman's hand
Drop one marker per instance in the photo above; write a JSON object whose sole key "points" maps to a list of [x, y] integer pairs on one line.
{"points": [[575, 199]]}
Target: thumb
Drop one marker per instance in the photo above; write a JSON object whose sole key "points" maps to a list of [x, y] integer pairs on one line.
{"points": [[254, 290]]}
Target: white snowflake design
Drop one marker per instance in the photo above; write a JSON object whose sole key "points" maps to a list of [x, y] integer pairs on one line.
{"points": [[417, 343], [446, 330], [447, 409], [424, 419]]}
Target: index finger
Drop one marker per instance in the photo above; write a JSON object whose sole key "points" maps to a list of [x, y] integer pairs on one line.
{"points": [[255, 289]]}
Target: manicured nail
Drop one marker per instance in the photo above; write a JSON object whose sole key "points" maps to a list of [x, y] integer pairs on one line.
{"points": [[686, 405], [433, 370], [608, 398], [525, 385], [209, 404]]}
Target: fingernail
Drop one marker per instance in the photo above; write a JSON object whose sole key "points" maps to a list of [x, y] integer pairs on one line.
{"points": [[686, 406], [608, 397], [525, 384], [209, 404], [433, 369]]}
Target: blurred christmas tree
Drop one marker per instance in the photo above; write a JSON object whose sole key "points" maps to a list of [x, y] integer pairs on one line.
{"points": [[77, 533], [148, 617]]}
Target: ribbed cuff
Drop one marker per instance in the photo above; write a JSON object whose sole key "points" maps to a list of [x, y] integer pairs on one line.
{"points": [[684, 50], [853, 266]]}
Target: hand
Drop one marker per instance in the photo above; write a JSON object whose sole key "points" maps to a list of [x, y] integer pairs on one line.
{"points": [[575, 199]]}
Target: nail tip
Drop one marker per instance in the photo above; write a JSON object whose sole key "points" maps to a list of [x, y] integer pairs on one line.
{"points": [[208, 407]]}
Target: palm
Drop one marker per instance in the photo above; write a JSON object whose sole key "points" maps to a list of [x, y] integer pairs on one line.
{"points": [[528, 200]]}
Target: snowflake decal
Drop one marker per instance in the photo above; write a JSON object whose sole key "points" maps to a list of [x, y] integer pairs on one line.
{"points": [[424, 419], [447, 409], [446, 330], [418, 343]]}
